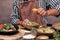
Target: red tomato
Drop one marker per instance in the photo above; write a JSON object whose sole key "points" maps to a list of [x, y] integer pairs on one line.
{"points": [[1, 26]]}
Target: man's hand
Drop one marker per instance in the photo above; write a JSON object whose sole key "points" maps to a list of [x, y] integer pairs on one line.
{"points": [[19, 22], [52, 12], [42, 12], [23, 22]]}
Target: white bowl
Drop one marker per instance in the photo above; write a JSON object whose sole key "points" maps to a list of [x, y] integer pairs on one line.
{"points": [[29, 36]]}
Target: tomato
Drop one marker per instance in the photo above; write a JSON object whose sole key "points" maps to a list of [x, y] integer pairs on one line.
{"points": [[1, 26]]}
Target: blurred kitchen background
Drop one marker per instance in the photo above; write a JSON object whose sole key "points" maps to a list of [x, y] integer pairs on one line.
{"points": [[6, 8]]}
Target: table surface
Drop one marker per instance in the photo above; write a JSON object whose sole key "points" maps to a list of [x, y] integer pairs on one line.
{"points": [[14, 37]]}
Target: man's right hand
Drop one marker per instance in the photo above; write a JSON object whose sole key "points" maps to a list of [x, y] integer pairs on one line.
{"points": [[22, 22], [19, 22]]}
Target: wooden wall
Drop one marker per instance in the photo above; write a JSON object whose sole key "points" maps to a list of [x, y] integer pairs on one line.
{"points": [[5, 10]]}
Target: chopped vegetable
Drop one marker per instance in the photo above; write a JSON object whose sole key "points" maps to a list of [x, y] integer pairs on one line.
{"points": [[6, 26], [1, 26]]}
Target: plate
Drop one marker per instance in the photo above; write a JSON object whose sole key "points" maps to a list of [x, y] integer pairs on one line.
{"points": [[9, 33]]}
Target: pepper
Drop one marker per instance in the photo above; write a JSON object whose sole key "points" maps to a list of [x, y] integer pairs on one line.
{"points": [[1, 26]]}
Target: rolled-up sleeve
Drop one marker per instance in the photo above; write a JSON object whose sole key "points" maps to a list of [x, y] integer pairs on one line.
{"points": [[58, 7], [55, 4], [14, 15]]}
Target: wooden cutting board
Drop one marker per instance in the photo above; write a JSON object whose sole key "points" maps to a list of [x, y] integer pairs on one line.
{"points": [[12, 37]]}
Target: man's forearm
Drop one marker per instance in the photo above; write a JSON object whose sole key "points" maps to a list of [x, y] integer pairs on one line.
{"points": [[51, 12]]}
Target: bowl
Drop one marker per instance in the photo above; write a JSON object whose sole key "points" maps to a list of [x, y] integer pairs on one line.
{"points": [[9, 29], [42, 37], [56, 26], [31, 25], [45, 31], [29, 37]]}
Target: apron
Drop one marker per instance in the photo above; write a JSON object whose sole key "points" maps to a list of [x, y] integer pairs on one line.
{"points": [[25, 10]]}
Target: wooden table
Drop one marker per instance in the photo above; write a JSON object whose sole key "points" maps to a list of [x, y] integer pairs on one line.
{"points": [[12, 37]]}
